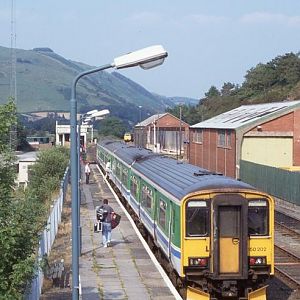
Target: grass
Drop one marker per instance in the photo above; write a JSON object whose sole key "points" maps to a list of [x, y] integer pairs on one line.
{"points": [[44, 82]]}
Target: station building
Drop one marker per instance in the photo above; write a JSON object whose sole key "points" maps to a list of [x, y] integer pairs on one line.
{"points": [[162, 133], [63, 131], [266, 134], [23, 163]]}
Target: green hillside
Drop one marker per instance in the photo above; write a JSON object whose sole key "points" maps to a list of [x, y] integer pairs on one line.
{"points": [[44, 80]]}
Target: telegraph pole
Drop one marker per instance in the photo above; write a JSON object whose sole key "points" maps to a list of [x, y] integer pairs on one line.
{"points": [[13, 73]]}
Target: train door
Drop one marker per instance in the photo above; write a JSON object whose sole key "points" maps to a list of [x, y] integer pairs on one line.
{"points": [[230, 236], [171, 228]]}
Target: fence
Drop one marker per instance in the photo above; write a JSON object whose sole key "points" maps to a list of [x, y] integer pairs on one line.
{"points": [[283, 184], [47, 239]]}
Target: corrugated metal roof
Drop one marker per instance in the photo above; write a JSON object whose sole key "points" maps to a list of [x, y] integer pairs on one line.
{"points": [[150, 120], [246, 114]]}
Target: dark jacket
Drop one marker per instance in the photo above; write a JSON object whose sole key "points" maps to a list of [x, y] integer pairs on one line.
{"points": [[109, 213]]}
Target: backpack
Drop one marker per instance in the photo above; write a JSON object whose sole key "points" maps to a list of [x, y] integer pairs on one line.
{"points": [[101, 214]]}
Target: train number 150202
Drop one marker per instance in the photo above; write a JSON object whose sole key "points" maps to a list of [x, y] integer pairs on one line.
{"points": [[254, 249]]}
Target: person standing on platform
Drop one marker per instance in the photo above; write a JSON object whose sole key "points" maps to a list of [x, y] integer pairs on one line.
{"points": [[106, 224], [87, 172]]}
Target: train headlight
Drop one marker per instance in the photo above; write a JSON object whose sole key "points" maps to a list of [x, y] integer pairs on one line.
{"points": [[257, 261], [198, 262]]}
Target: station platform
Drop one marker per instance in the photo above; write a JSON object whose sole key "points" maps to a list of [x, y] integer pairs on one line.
{"points": [[124, 270]]}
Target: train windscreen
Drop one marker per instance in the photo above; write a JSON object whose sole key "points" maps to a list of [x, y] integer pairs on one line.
{"points": [[197, 218], [258, 219]]}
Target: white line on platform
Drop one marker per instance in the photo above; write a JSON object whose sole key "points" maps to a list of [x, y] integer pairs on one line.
{"points": [[153, 258]]}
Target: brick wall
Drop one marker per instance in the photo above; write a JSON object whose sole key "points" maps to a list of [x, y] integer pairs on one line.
{"points": [[209, 156], [296, 144]]}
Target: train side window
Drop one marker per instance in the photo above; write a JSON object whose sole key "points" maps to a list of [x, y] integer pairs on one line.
{"points": [[134, 186], [113, 166], [125, 176], [258, 217], [147, 197], [118, 170], [197, 218], [162, 213]]}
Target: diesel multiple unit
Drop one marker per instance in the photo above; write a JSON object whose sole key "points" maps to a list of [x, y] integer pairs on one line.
{"points": [[214, 233]]}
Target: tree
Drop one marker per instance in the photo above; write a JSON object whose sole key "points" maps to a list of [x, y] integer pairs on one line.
{"points": [[22, 216], [260, 78], [111, 127], [45, 175], [212, 92], [287, 68], [227, 88], [7, 170]]}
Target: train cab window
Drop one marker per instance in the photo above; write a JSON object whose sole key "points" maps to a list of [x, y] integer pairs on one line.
{"points": [[197, 218], [258, 220], [147, 197], [134, 186], [162, 213]]}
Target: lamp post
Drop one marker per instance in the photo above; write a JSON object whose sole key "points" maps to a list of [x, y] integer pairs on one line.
{"points": [[140, 131], [145, 58], [180, 135], [140, 107]]}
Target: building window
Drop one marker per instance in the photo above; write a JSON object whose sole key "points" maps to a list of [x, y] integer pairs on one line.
{"points": [[228, 139], [162, 213], [224, 138], [147, 197], [221, 138], [197, 136]]}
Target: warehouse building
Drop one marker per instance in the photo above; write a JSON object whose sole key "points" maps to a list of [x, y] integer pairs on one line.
{"points": [[266, 134]]}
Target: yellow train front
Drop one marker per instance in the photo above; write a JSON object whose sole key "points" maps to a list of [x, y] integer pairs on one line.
{"points": [[230, 253]]}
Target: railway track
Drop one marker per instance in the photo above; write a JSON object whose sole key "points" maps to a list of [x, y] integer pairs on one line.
{"points": [[287, 249], [287, 266], [287, 222]]}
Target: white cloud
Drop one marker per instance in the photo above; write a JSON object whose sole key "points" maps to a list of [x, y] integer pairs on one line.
{"points": [[270, 18], [206, 19], [146, 18]]}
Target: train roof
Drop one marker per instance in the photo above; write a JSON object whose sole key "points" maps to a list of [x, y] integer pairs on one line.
{"points": [[177, 178]]}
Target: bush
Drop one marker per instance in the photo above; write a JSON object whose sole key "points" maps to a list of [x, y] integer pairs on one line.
{"points": [[23, 216], [46, 174]]}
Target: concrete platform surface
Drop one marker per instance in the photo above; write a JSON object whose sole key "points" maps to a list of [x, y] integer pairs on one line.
{"points": [[122, 271]]}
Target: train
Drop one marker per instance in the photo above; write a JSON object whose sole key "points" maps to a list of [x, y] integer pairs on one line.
{"points": [[128, 137], [214, 234]]}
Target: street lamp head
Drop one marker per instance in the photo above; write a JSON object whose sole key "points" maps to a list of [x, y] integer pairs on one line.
{"points": [[91, 112], [146, 58], [100, 113]]}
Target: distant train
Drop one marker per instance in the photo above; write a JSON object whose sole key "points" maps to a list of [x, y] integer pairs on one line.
{"points": [[214, 234], [128, 137]]}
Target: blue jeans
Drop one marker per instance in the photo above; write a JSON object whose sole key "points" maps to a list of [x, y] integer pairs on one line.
{"points": [[106, 233]]}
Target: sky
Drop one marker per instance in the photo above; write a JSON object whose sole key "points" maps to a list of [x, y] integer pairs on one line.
{"points": [[208, 42]]}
